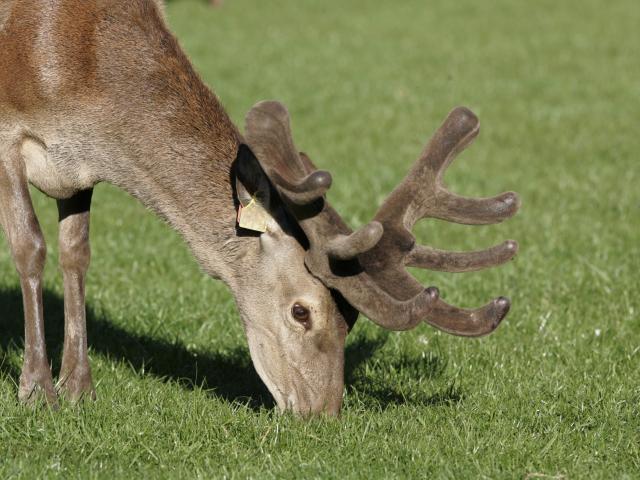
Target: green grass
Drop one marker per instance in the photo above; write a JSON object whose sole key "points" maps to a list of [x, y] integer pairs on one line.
{"points": [[555, 391]]}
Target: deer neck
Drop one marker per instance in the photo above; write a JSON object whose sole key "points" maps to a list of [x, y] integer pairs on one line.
{"points": [[187, 180]]}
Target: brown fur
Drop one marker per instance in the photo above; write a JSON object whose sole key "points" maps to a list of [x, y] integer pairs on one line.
{"points": [[100, 91], [115, 80]]}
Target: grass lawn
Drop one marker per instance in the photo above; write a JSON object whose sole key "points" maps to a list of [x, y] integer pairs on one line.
{"points": [[554, 393]]}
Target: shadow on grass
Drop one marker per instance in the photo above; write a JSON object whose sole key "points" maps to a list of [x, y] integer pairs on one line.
{"points": [[380, 383], [230, 375]]}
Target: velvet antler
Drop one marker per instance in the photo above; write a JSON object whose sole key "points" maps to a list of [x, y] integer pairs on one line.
{"points": [[368, 266]]}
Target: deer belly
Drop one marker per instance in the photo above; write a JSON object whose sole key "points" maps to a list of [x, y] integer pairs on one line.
{"points": [[58, 179]]}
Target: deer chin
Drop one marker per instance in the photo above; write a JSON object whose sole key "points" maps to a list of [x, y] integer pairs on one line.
{"points": [[303, 388]]}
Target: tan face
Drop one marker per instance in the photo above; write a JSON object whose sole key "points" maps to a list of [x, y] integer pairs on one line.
{"points": [[295, 330]]}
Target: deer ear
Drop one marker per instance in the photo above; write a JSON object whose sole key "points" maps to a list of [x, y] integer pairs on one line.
{"points": [[253, 192], [250, 180]]}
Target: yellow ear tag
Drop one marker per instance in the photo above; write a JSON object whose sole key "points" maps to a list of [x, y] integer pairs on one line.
{"points": [[253, 216]]}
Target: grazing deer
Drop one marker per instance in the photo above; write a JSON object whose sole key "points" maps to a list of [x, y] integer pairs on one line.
{"points": [[99, 91]]}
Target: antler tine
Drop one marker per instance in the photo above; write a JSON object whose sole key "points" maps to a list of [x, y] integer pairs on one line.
{"points": [[298, 181], [459, 129], [422, 194], [267, 124], [346, 247], [468, 323], [442, 260]]}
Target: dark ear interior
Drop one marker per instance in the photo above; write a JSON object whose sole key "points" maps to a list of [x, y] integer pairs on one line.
{"points": [[250, 180], [349, 313]]}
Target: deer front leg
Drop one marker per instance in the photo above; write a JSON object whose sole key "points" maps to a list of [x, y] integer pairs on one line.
{"points": [[29, 252], [75, 382]]}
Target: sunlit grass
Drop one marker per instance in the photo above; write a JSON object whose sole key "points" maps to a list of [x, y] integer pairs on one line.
{"points": [[555, 391]]}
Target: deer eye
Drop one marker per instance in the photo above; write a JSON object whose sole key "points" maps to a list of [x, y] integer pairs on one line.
{"points": [[301, 314]]}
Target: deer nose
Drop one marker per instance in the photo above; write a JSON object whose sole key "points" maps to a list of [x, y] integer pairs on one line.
{"points": [[330, 403], [331, 409]]}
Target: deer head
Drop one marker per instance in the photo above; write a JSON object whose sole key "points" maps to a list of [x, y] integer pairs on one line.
{"points": [[295, 326], [316, 274]]}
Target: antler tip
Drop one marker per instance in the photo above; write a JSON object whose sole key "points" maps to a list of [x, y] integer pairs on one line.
{"points": [[346, 247], [502, 306], [271, 106], [465, 119], [511, 246], [263, 114], [373, 230], [512, 199], [507, 205], [320, 179], [433, 293]]}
